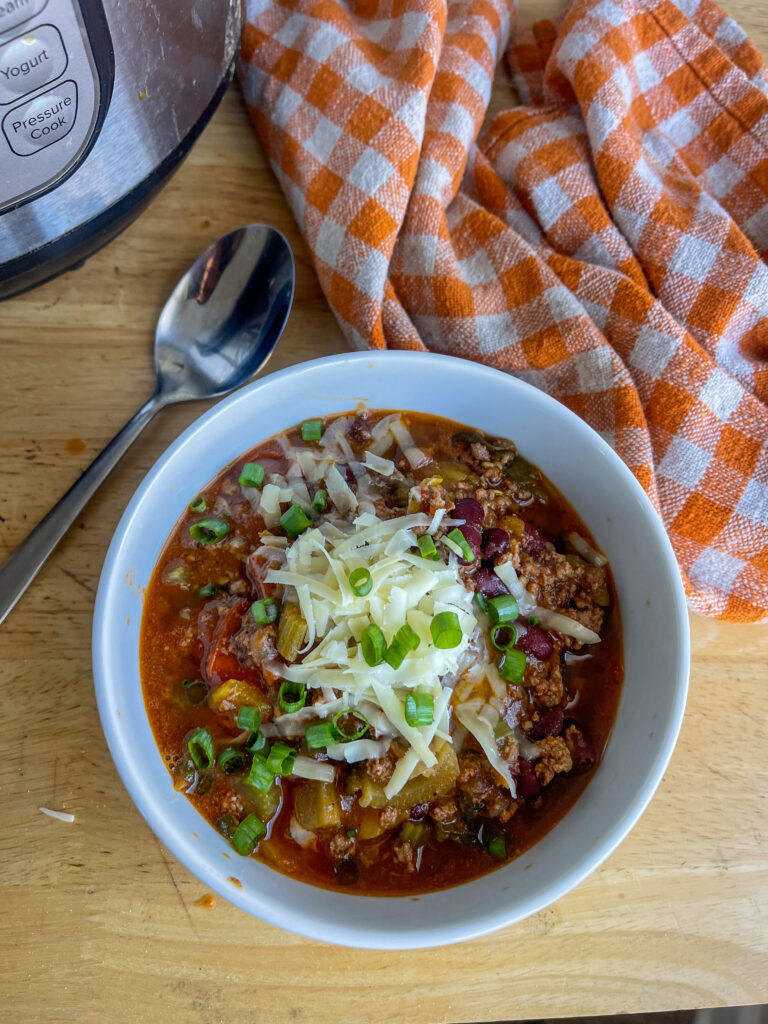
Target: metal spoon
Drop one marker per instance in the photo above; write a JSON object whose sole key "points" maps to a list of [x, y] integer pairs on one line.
{"points": [[217, 330]]}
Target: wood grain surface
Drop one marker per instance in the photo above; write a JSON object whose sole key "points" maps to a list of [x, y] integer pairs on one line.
{"points": [[98, 922]]}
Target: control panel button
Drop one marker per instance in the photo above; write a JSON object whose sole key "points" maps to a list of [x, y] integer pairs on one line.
{"points": [[31, 61], [40, 122], [15, 12]]}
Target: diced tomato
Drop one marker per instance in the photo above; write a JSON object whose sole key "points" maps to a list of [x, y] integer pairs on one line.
{"points": [[217, 624]]}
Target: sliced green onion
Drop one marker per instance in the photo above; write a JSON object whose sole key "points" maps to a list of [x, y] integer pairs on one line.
{"points": [[419, 709], [196, 691], [533, 620], [481, 601], [320, 501], [198, 504], [408, 637], [260, 776], [201, 749], [456, 541], [295, 521], [257, 744], [311, 430], [395, 655], [252, 475], [502, 608], [373, 645], [503, 637], [427, 549], [320, 734], [248, 835], [512, 667], [208, 531], [497, 847], [231, 760], [360, 581], [206, 591], [404, 641], [265, 611], [292, 696], [351, 832], [446, 630], [342, 734], [248, 718], [280, 759]]}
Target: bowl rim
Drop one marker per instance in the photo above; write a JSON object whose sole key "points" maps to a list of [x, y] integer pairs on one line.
{"points": [[332, 931]]}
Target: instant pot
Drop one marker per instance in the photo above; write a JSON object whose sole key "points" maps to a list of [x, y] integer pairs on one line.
{"points": [[99, 103]]}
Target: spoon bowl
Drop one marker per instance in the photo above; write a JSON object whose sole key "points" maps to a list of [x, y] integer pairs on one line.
{"points": [[224, 317], [216, 331]]}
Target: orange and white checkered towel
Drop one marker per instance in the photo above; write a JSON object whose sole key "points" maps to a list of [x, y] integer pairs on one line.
{"points": [[605, 242]]}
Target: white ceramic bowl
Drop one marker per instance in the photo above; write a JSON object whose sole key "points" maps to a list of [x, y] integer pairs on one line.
{"points": [[606, 496]]}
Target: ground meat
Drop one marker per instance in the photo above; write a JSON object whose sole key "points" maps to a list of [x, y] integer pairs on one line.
{"points": [[479, 453], [467, 575], [444, 810], [510, 751], [591, 617], [555, 757], [232, 803], [388, 817], [492, 473], [384, 509], [433, 497], [464, 488], [381, 769], [359, 430], [254, 644], [496, 504], [564, 585], [238, 587], [475, 778], [551, 578], [341, 846], [544, 681], [405, 855]]}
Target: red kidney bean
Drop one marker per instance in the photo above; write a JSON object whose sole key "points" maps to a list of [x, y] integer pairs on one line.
{"points": [[473, 513], [583, 753], [488, 583], [495, 542], [550, 724], [470, 510], [536, 642], [528, 786], [532, 541]]}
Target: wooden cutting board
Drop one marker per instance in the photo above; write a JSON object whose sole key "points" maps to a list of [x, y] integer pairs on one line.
{"points": [[98, 922]]}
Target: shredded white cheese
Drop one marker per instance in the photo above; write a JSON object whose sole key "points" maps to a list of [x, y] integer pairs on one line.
{"points": [[406, 588], [385, 467], [58, 815], [481, 719], [525, 600], [309, 768], [565, 625]]}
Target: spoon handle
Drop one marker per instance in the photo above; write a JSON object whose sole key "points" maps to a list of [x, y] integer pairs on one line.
{"points": [[18, 571]]}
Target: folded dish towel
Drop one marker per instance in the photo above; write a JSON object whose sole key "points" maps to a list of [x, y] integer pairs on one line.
{"points": [[606, 241]]}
